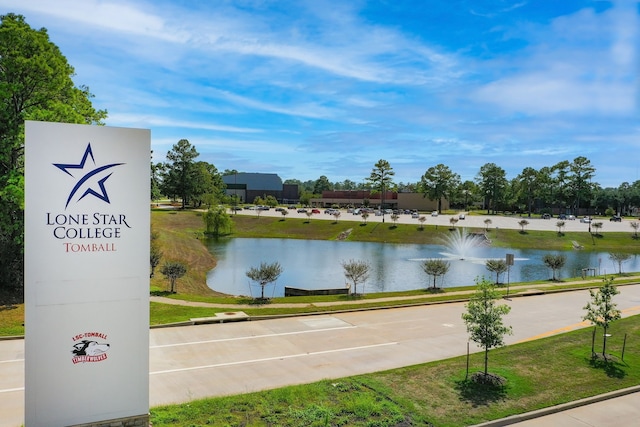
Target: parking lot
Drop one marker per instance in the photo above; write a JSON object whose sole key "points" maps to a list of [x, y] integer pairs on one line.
{"points": [[469, 221]]}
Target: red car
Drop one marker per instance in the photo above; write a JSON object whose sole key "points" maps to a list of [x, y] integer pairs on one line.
{"points": [[315, 211]]}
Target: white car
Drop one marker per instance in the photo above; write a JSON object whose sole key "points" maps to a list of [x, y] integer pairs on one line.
{"points": [[434, 213], [585, 219]]}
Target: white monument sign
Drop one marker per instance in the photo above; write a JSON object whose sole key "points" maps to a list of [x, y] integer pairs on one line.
{"points": [[86, 273]]}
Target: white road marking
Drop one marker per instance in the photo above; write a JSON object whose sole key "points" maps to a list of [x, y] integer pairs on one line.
{"points": [[266, 359], [250, 337], [11, 390]]}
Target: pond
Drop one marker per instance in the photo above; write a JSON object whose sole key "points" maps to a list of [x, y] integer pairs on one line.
{"points": [[317, 264]]}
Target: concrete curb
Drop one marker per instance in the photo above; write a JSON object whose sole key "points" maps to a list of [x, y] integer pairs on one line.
{"points": [[558, 408]]}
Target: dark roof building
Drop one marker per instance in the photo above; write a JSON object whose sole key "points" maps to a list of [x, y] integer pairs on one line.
{"points": [[248, 186]]}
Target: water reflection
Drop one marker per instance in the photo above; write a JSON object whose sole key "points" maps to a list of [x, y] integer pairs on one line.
{"points": [[316, 264]]}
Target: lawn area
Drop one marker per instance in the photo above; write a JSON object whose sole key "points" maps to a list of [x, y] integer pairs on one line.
{"points": [[299, 228], [179, 235], [539, 374]]}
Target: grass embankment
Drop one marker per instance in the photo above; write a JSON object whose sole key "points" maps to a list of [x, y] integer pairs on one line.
{"points": [[298, 228], [179, 236], [539, 374]]}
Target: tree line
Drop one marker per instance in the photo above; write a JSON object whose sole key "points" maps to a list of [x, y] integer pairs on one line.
{"points": [[566, 187]]}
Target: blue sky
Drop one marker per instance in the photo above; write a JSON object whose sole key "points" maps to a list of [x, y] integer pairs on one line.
{"points": [[310, 88]]}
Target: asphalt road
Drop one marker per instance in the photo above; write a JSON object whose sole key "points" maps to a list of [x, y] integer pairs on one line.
{"points": [[192, 362]]}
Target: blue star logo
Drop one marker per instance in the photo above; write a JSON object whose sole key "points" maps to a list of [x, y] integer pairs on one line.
{"points": [[89, 177]]}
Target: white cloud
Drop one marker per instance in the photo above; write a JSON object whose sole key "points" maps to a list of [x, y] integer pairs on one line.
{"points": [[556, 74], [158, 121], [540, 93], [118, 16]]}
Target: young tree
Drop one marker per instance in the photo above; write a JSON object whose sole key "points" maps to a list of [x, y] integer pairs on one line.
{"points": [[394, 218], [422, 219], [381, 180], [601, 311], [364, 216], [523, 224], [35, 84], [155, 256], [173, 271], [439, 182], [619, 258], [560, 225], [597, 226], [484, 319], [487, 223], [309, 214], [555, 262], [497, 266], [356, 271], [635, 225], [436, 268], [217, 221], [264, 274], [284, 213], [453, 221]]}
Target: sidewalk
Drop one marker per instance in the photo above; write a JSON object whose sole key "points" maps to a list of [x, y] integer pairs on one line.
{"points": [[425, 299]]}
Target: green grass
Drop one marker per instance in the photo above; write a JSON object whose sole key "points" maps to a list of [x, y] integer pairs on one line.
{"points": [[298, 228], [539, 374], [168, 313], [11, 320]]}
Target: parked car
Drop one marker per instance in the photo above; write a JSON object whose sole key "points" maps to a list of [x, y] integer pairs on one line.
{"points": [[615, 218], [461, 216], [585, 219], [302, 210], [315, 211], [546, 216], [415, 215], [571, 217], [562, 216], [434, 213]]}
